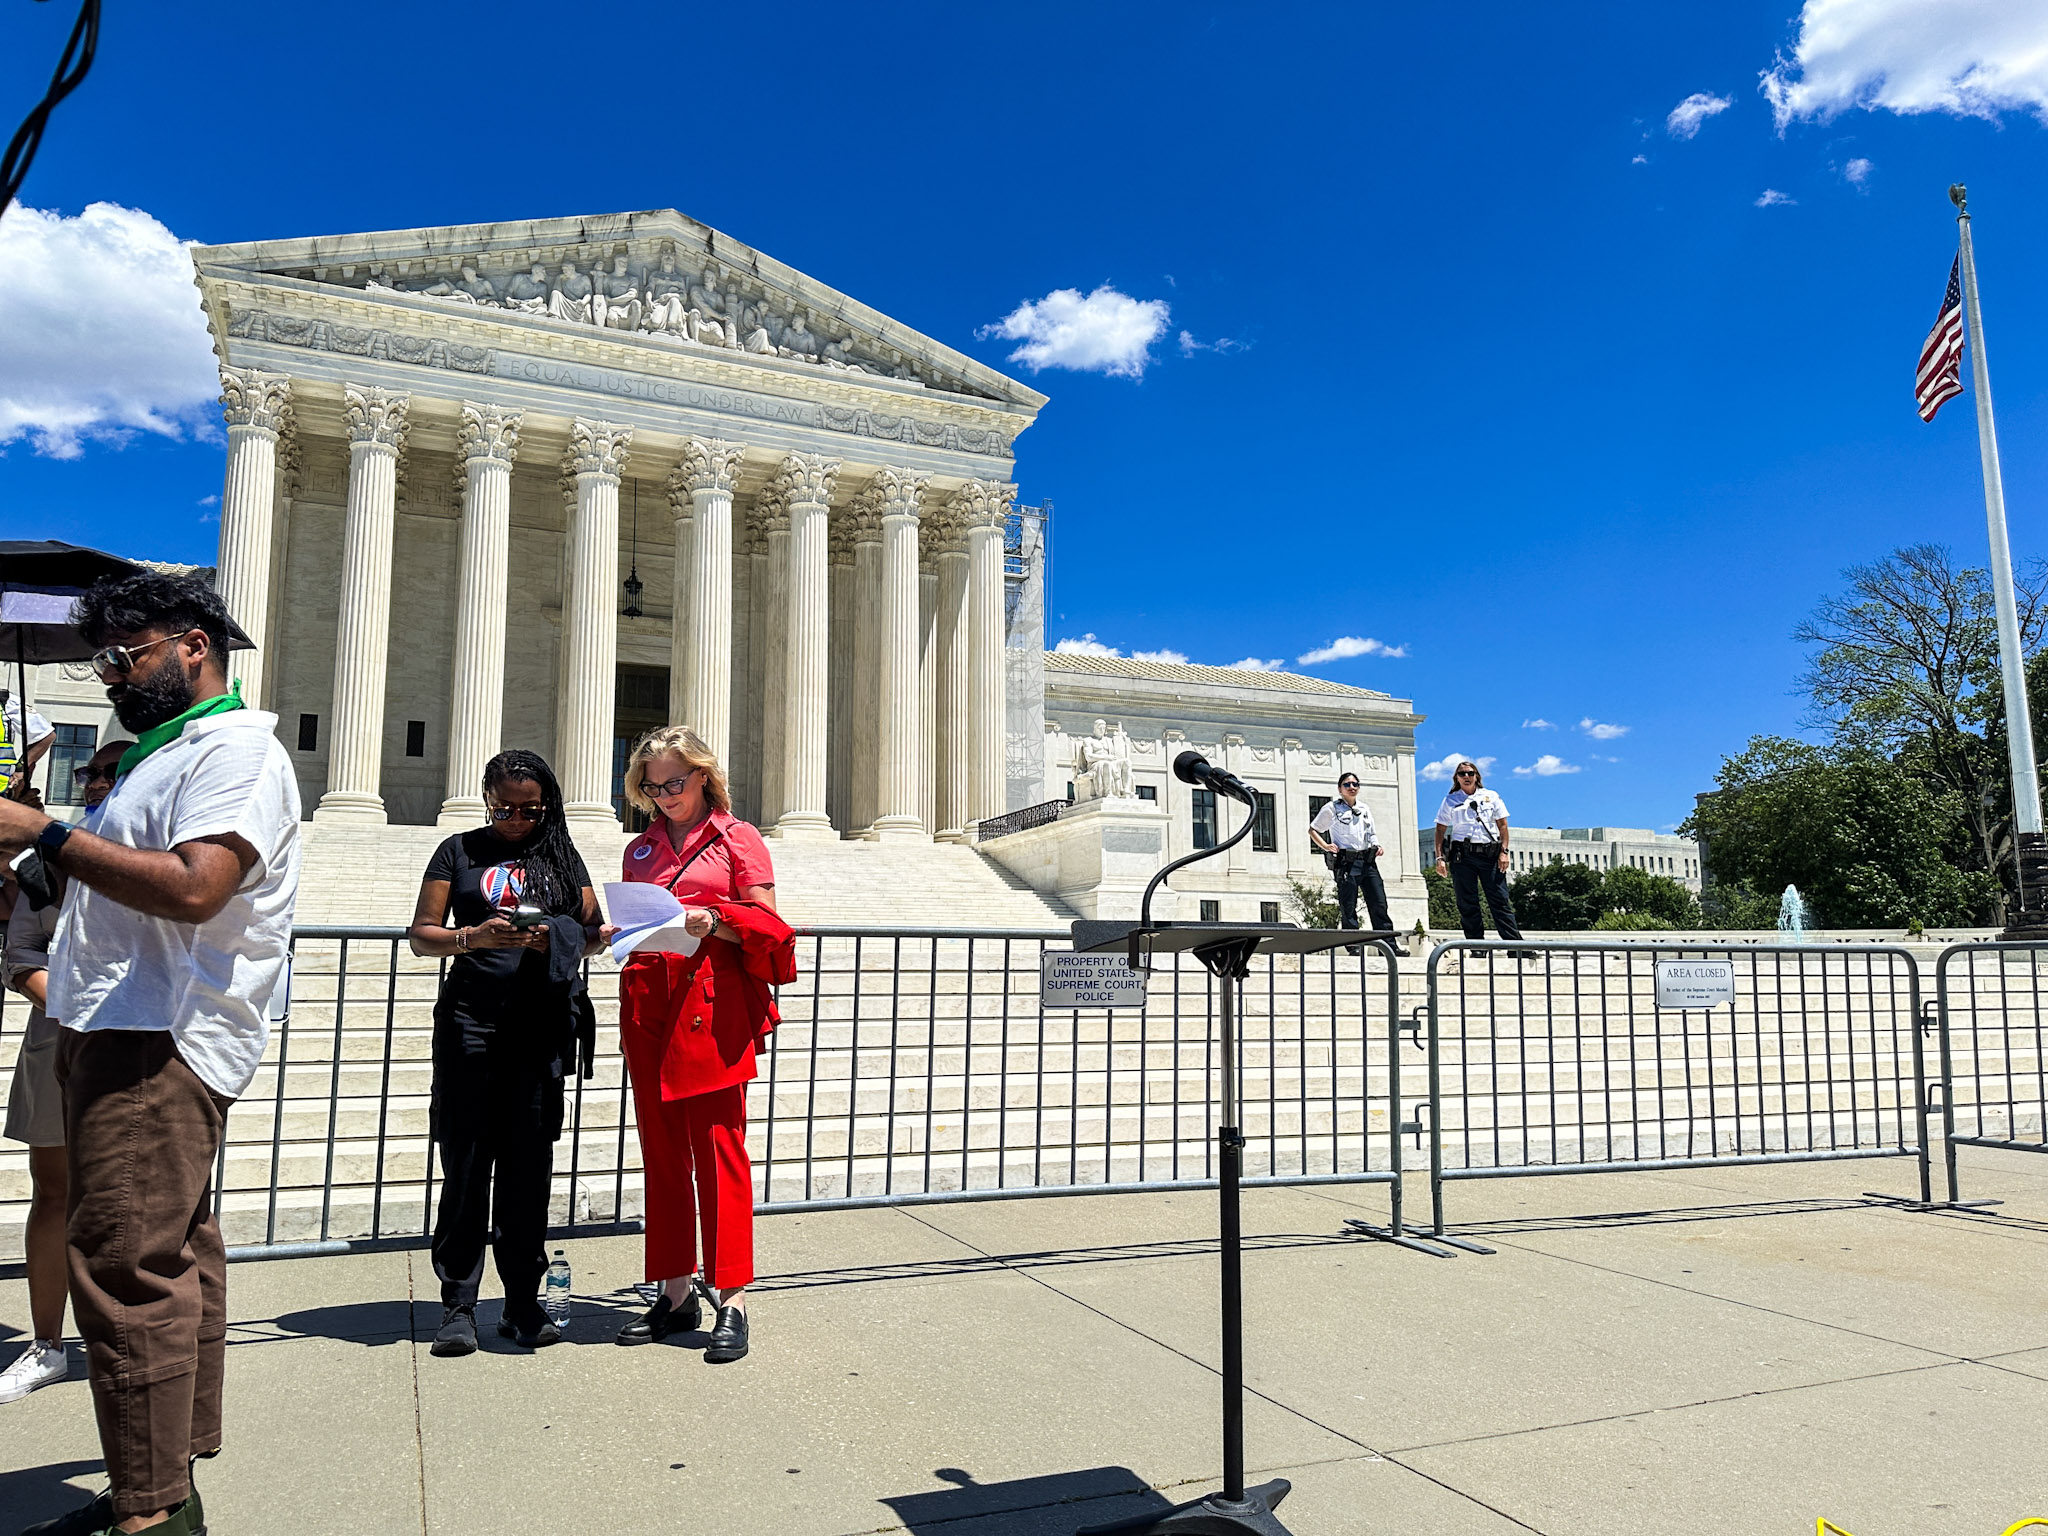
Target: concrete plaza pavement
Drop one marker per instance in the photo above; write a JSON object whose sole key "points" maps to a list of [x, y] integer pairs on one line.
{"points": [[1714, 1350]]}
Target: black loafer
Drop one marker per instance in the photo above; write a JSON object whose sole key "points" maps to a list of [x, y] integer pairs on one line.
{"points": [[728, 1338], [458, 1332], [663, 1319], [532, 1333]]}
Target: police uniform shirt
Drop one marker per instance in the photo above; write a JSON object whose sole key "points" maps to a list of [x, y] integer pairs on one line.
{"points": [[1348, 826], [1472, 818]]}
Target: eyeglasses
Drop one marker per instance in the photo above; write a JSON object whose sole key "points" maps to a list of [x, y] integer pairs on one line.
{"points": [[1466, 773], [1347, 784], [523, 812], [87, 775], [121, 659], [670, 787]]}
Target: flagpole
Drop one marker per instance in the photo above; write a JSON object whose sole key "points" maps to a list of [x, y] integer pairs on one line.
{"points": [[2030, 853]]}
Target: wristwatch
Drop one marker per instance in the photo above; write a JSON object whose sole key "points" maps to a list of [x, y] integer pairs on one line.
{"points": [[50, 841]]}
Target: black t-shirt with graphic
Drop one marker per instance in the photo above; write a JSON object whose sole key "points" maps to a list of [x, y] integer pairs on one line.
{"points": [[486, 879]]}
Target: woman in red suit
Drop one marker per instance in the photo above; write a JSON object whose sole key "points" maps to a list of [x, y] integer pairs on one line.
{"points": [[690, 1025]]}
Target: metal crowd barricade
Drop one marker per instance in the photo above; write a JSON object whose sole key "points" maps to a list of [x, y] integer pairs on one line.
{"points": [[1549, 1058], [1988, 1001], [909, 1067]]}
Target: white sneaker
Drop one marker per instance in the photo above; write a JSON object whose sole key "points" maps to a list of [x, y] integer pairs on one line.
{"points": [[37, 1366]]}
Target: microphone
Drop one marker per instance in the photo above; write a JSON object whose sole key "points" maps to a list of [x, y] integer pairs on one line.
{"points": [[1193, 768]]}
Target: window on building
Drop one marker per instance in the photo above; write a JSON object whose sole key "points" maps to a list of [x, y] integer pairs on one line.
{"points": [[69, 752], [309, 733], [1070, 791], [1315, 809], [1266, 834], [1205, 818], [1149, 792], [415, 738], [1269, 911], [1212, 911]]}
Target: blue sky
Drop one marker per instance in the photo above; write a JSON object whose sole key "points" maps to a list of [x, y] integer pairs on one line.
{"points": [[1490, 358]]}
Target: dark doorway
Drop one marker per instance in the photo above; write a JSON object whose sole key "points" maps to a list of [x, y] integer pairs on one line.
{"points": [[639, 706]]}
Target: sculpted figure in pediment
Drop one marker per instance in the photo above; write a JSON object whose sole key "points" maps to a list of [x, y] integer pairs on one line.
{"points": [[839, 354], [668, 298], [798, 341], [527, 292], [615, 302], [707, 312], [569, 298], [467, 289], [754, 324]]}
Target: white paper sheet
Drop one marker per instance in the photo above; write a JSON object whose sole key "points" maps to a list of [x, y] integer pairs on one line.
{"points": [[647, 917]]}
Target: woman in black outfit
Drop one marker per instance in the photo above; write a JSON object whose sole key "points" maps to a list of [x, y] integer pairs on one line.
{"points": [[512, 903]]}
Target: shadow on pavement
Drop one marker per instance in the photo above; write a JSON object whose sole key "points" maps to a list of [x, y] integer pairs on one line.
{"points": [[1028, 1500], [43, 1493]]}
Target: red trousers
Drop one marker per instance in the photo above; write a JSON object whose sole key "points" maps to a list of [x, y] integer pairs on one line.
{"points": [[695, 1154]]}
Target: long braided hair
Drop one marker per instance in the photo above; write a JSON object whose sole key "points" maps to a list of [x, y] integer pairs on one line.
{"points": [[548, 853]]}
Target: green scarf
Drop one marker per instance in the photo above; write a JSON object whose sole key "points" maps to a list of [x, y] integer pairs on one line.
{"points": [[163, 735]]}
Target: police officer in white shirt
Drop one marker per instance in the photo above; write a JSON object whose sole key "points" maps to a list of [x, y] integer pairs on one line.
{"points": [[1476, 820], [1343, 829]]}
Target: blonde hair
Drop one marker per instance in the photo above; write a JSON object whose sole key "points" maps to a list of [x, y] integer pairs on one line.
{"points": [[1478, 778], [674, 741]]}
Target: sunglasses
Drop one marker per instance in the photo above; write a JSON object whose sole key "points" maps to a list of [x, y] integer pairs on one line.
{"points": [[523, 812], [1466, 773], [670, 787], [88, 775], [119, 660], [1348, 784]]}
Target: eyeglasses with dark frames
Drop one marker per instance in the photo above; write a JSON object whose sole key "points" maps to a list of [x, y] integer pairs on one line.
{"points": [[523, 812], [85, 775], [120, 659], [1466, 773], [669, 787], [1347, 783]]}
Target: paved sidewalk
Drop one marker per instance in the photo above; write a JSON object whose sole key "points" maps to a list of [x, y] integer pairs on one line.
{"points": [[1744, 1350]]}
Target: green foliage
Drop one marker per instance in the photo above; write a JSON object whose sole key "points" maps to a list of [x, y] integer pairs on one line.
{"points": [[1632, 892], [1869, 841], [1443, 900], [1314, 903], [1632, 922], [1558, 898]]}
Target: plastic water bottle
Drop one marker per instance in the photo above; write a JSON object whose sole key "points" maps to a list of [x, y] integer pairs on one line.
{"points": [[557, 1292]]}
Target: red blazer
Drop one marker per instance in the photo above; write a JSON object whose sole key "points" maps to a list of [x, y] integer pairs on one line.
{"points": [[694, 1020]]}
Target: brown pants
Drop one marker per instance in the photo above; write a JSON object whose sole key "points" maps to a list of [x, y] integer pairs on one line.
{"points": [[148, 1270]]}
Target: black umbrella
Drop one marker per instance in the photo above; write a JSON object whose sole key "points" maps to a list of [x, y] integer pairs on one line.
{"points": [[39, 578]]}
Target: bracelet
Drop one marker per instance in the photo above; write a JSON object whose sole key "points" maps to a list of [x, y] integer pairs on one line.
{"points": [[462, 941]]}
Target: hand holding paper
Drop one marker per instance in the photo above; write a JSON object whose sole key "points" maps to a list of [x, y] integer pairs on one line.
{"points": [[648, 917]]}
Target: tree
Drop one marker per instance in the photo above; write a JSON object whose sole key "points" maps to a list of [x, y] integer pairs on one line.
{"points": [[1630, 892], [1869, 842], [1559, 898], [1314, 903], [1907, 669], [1443, 901]]}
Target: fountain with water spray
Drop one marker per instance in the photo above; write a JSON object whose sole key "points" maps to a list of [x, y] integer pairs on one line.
{"points": [[1793, 915]]}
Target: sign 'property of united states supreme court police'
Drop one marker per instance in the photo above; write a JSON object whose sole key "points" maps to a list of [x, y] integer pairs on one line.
{"points": [[1069, 980]]}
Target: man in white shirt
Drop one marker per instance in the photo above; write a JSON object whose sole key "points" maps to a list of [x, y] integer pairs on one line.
{"points": [[20, 748], [171, 944], [1472, 846], [1343, 829]]}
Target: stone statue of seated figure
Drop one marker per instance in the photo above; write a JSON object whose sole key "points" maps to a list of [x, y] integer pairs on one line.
{"points": [[839, 354], [753, 323], [668, 299], [569, 298], [527, 292], [615, 303], [468, 289], [707, 312]]}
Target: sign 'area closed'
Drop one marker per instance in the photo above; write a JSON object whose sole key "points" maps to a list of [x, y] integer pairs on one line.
{"points": [[1695, 983], [1069, 980]]}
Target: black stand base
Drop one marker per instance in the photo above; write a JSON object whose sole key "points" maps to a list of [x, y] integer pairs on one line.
{"points": [[1213, 1516]]}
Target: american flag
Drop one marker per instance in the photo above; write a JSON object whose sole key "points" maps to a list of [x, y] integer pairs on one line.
{"points": [[1940, 376]]}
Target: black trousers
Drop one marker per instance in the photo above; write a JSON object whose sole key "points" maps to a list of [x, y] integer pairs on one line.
{"points": [[496, 1116], [1469, 876], [1360, 871]]}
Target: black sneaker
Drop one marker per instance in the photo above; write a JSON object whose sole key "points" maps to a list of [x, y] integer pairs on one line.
{"points": [[458, 1331], [535, 1331]]}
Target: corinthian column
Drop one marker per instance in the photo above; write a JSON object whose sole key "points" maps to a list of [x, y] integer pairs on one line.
{"points": [[256, 406], [988, 781], [838, 673], [865, 531], [948, 730], [900, 760], [487, 439], [770, 600], [804, 482], [375, 420], [590, 625], [701, 654]]}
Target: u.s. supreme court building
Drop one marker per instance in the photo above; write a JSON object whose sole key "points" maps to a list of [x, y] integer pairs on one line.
{"points": [[550, 484]]}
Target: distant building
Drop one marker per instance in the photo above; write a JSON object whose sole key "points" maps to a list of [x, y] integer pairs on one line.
{"points": [[1658, 853]]}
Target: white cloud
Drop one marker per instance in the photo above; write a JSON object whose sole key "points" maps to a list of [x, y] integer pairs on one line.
{"points": [[1101, 332], [1253, 664], [1538, 724], [1174, 658], [1771, 197], [1601, 731], [1857, 171], [1640, 160], [1189, 346], [101, 334], [1686, 117], [1444, 767], [1973, 58], [1086, 645], [1548, 766], [1344, 647]]}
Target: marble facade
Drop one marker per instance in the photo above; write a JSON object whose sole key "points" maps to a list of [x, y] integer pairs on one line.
{"points": [[447, 449]]}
